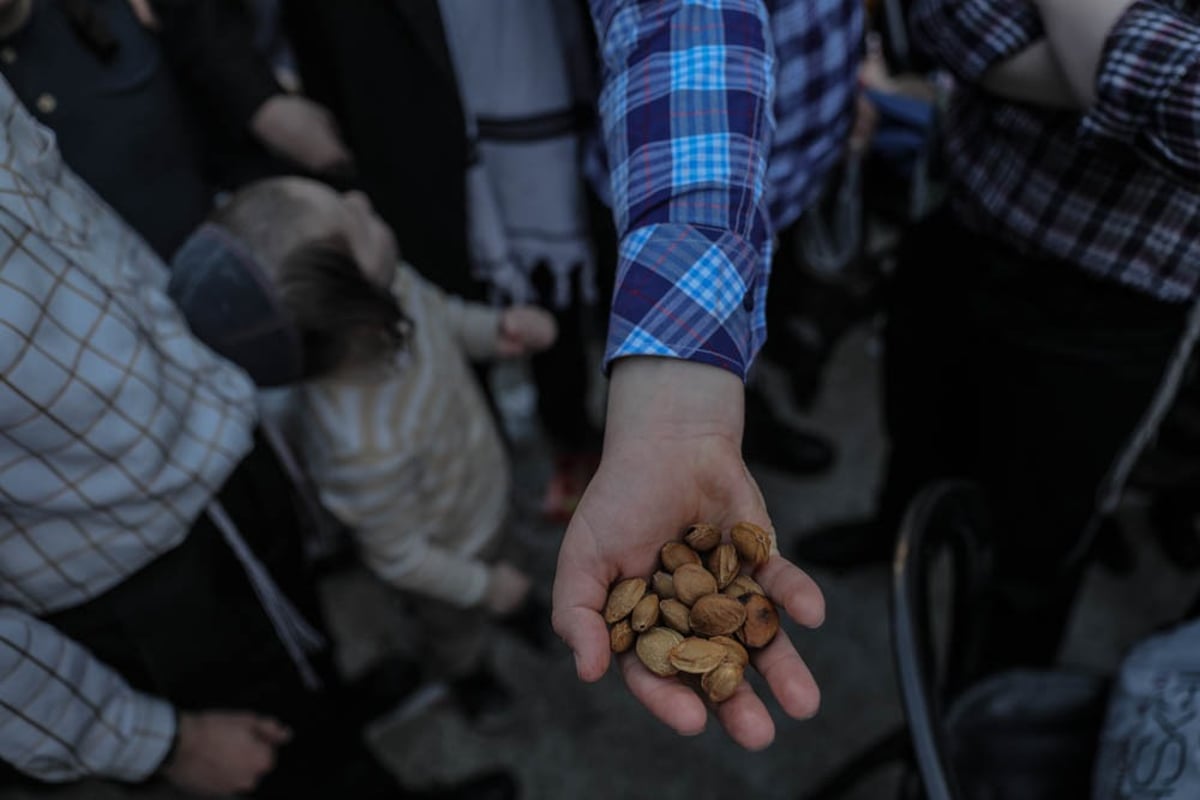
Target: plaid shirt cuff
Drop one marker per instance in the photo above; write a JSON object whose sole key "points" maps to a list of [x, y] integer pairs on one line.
{"points": [[1151, 52], [969, 37], [151, 738], [689, 292]]}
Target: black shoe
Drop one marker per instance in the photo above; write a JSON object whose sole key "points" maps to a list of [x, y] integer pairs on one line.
{"points": [[771, 442], [483, 700], [498, 785], [531, 624], [845, 546]]}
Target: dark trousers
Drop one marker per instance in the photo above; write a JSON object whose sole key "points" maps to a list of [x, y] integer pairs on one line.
{"points": [[189, 628], [1028, 376], [562, 374]]}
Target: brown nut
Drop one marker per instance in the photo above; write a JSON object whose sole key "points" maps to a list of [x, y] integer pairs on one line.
{"points": [[696, 655], [717, 615], [664, 584], [624, 596], [702, 537], [675, 615], [743, 585], [736, 652], [722, 682], [752, 542], [621, 637], [762, 621], [645, 613], [654, 650], [692, 582], [723, 564], [675, 554]]}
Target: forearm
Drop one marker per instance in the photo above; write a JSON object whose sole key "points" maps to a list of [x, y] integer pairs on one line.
{"points": [[1032, 76], [1145, 86], [1077, 31], [416, 565], [686, 112], [64, 715]]}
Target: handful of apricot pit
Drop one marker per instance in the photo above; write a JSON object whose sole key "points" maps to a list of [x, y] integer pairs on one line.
{"points": [[696, 616]]}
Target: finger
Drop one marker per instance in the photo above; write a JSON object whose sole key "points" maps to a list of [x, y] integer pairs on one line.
{"points": [[145, 15], [266, 765], [791, 587], [587, 636], [666, 698], [789, 677], [746, 719], [255, 761], [271, 731], [578, 596]]}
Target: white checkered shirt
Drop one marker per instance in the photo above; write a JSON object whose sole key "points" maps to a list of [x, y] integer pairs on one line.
{"points": [[116, 429]]}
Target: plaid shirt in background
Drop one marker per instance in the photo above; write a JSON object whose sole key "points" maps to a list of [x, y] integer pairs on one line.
{"points": [[1114, 191], [116, 429], [720, 120]]}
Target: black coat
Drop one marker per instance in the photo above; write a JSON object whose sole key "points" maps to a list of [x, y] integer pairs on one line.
{"points": [[384, 70]]}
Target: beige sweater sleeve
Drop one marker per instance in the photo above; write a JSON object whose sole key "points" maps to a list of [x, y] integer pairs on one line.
{"points": [[475, 325], [377, 496]]}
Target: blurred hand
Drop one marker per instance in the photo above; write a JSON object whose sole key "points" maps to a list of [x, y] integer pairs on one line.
{"points": [[224, 752], [144, 13], [672, 457], [507, 589], [297, 128], [866, 121], [525, 330]]}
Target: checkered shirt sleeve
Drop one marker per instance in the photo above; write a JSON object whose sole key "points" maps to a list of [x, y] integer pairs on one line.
{"points": [[64, 715], [687, 123], [969, 37], [116, 429], [1148, 88]]}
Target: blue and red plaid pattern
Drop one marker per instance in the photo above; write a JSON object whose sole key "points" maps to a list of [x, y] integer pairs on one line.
{"points": [[701, 173], [1149, 87], [968, 37], [1089, 191]]}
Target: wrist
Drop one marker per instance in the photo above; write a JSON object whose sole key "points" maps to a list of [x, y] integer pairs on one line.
{"points": [[651, 397], [168, 759]]}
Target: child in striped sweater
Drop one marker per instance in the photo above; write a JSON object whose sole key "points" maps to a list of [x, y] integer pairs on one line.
{"points": [[395, 429]]}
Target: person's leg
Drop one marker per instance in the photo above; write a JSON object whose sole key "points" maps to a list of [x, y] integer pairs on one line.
{"points": [[927, 397], [561, 375], [1067, 366]]}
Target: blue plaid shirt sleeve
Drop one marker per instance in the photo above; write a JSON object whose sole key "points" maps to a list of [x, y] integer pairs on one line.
{"points": [[687, 120], [969, 37], [1148, 88]]}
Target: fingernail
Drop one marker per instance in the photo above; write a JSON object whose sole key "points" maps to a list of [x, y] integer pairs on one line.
{"points": [[578, 666]]}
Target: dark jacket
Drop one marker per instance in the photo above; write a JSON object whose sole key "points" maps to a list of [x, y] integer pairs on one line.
{"points": [[383, 68]]}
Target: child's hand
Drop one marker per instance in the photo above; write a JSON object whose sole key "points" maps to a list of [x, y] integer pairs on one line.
{"points": [[525, 330], [507, 589]]}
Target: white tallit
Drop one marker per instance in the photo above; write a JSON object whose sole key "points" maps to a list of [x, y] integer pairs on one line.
{"points": [[521, 93]]}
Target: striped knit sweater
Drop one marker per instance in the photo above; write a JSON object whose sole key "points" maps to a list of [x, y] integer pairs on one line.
{"points": [[410, 457]]}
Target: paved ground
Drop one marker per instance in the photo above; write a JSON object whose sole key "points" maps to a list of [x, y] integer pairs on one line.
{"points": [[575, 742]]}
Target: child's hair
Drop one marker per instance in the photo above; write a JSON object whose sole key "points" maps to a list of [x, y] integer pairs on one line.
{"points": [[339, 313]]}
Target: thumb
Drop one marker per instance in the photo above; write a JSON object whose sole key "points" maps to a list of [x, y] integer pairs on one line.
{"points": [[577, 597], [271, 731]]}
